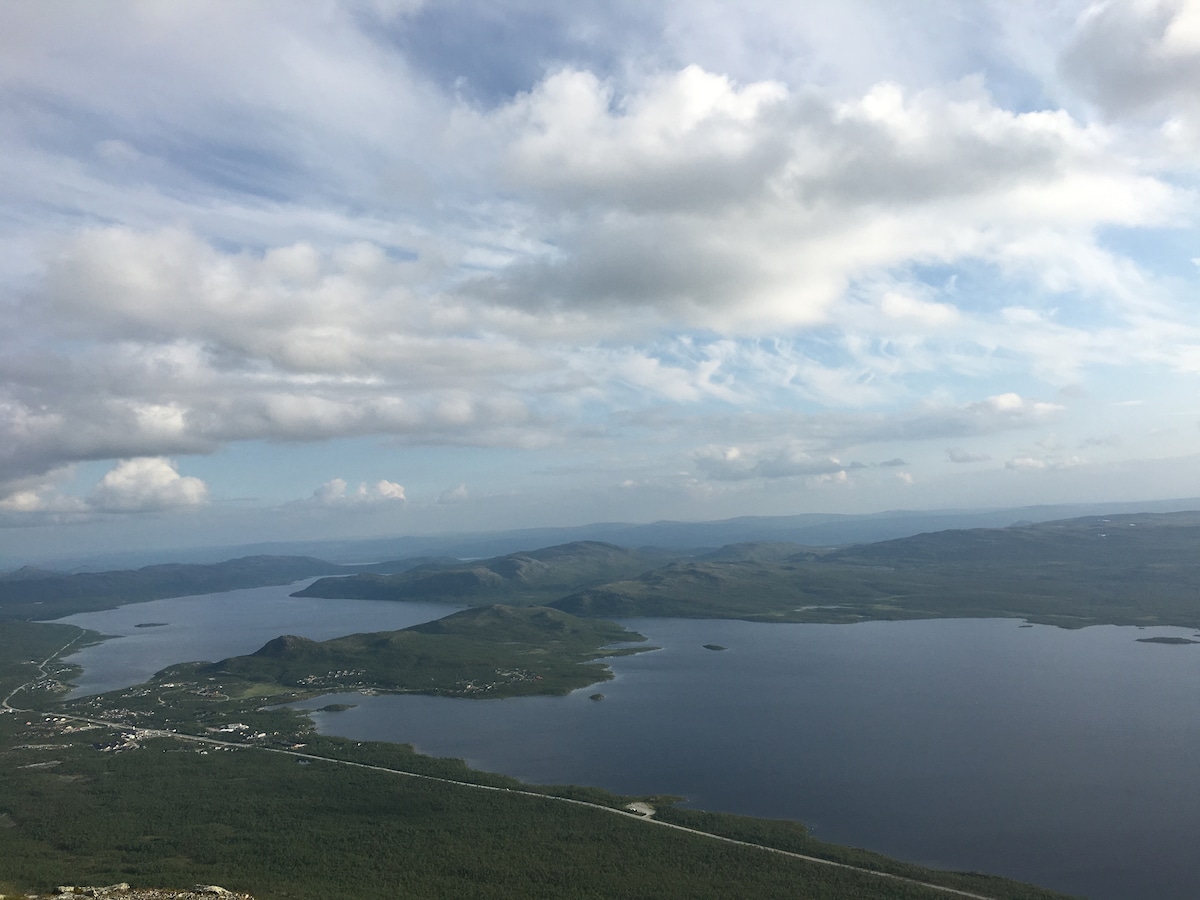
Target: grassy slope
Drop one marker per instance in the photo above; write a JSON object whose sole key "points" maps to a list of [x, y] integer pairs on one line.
{"points": [[496, 651], [527, 578]]}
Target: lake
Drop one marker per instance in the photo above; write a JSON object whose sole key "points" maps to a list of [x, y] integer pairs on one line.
{"points": [[150, 636], [1066, 758]]}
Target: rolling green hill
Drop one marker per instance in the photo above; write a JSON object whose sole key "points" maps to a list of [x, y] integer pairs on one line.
{"points": [[530, 577], [1125, 570], [494, 651]]}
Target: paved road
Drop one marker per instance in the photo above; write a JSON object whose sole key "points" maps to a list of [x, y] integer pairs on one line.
{"points": [[213, 742], [41, 667]]}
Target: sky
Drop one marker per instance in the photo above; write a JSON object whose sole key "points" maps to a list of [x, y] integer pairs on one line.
{"points": [[277, 271]]}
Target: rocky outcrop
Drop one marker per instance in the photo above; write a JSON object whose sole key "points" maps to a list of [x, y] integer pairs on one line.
{"points": [[123, 891]]}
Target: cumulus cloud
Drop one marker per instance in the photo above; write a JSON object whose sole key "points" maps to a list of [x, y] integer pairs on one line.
{"points": [[337, 492], [184, 348], [808, 195], [992, 415], [455, 494], [734, 464], [146, 485], [27, 502], [834, 478], [327, 237], [1037, 463], [959, 455], [1026, 462], [332, 491], [689, 140], [1139, 62], [390, 490], [819, 444], [1137, 55]]}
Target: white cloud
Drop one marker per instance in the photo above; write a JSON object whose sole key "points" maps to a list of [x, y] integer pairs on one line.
{"points": [[736, 464], [1025, 462], [1137, 55], [959, 455], [807, 197], [1044, 462], [802, 229], [823, 445], [146, 485], [336, 492], [840, 478], [331, 491], [390, 490], [455, 494], [34, 501], [22, 501], [689, 139], [686, 198], [917, 312]]}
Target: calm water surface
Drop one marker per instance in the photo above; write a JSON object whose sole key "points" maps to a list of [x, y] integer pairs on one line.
{"points": [[214, 626], [1067, 758]]}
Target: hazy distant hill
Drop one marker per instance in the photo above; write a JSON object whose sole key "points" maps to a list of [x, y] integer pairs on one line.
{"points": [[51, 595], [527, 577], [29, 573], [1109, 542], [810, 529], [1139, 569], [1133, 569]]}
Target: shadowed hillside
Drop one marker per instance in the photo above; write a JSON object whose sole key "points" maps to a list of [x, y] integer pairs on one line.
{"points": [[530, 577], [51, 595], [1130, 570]]}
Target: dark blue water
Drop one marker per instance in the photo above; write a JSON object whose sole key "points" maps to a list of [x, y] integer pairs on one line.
{"points": [[1066, 758]]}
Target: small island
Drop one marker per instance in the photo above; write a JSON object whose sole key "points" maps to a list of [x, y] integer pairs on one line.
{"points": [[1166, 640], [714, 647]]}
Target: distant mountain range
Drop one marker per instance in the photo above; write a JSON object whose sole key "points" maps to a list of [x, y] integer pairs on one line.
{"points": [[528, 577], [1117, 568], [1140, 569], [45, 595], [810, 529]]}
